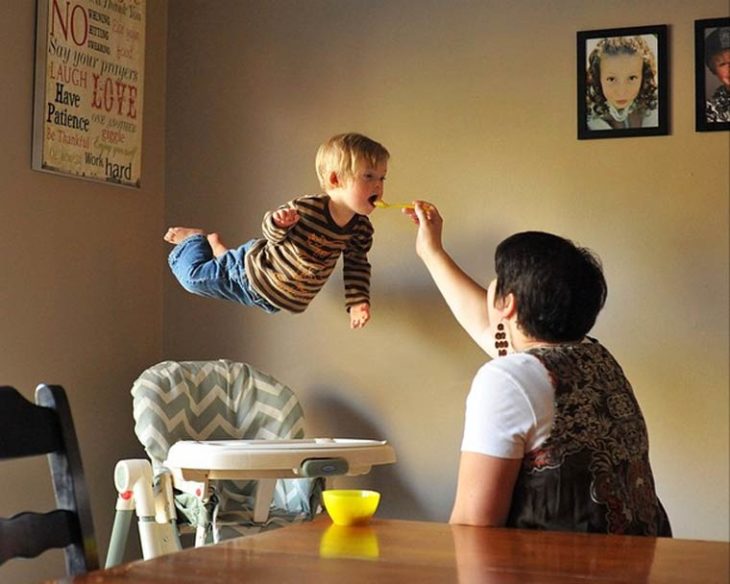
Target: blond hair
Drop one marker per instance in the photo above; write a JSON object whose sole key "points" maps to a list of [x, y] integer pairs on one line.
{"points": [[344, 154]]}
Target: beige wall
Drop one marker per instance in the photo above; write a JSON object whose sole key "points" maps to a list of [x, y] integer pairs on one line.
{"points": [[81, 290], [476, 101]]}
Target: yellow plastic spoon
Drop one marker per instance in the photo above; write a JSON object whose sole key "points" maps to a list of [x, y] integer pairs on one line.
{"points": [[383, 205]]}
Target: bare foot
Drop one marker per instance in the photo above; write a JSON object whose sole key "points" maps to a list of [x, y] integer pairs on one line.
{"points": [[179, 234], [216, 245]]}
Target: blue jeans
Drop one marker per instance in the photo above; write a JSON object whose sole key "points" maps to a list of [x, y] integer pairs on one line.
{"points": [[201, 273]]}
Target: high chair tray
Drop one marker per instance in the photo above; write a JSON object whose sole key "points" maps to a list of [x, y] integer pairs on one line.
{"points": [[249, 459]]}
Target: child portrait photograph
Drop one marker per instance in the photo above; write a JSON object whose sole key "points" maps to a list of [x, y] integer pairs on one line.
{"points": [[622, 82], [712, 74]]}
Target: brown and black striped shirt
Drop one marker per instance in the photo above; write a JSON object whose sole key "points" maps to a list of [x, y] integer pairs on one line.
{"points": [[289, 266]]}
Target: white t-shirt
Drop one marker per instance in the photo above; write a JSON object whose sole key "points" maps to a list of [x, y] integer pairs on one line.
{"points": [[510, 407]]}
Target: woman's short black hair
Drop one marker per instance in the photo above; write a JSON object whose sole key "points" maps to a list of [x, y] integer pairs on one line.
{"points": [[558, 287]]}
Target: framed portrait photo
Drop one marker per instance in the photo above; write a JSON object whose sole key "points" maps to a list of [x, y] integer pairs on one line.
{"points": [[622, 82], [712, 74]]}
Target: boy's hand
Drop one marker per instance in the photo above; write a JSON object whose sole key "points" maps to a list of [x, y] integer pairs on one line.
{"points": [[359, 315], [285, 218]]}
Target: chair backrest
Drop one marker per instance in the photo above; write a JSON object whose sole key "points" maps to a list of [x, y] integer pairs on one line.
{"points": [[47, 428], [211, 400], [220, 400]]}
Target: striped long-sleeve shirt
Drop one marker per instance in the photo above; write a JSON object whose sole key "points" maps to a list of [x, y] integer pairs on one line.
{"points": [[289, 266]]}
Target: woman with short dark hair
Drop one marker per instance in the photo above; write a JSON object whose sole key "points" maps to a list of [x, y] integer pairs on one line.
{"points": [[554, 437]]}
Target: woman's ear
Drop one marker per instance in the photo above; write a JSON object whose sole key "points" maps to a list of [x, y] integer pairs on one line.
{"points": [[508, 306]]}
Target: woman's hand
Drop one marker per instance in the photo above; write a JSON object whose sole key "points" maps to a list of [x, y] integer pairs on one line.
{"points": [[430, 224]]}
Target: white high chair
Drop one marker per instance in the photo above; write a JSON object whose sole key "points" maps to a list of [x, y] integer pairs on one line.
{"points": [[227, 457]]}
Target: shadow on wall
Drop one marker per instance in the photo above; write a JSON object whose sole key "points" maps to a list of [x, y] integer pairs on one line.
{"points": [[329, 415]]}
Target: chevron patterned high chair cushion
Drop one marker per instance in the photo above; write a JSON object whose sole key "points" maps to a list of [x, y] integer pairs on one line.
{"points": [[222, 400], [211, 400]]}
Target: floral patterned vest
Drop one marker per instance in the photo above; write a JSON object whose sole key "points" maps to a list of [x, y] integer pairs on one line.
{"points": [[592, 473]]}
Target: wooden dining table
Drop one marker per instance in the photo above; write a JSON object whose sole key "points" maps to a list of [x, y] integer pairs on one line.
{"points": [[419, 552]]}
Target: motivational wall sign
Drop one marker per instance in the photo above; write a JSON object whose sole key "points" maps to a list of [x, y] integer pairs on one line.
{"points": [[89, 82]]}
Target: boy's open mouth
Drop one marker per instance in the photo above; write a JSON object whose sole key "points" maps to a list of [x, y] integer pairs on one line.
{"points": [[373, 198]]}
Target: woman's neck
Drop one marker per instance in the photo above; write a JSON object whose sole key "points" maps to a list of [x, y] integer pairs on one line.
{"points": [[536, 344], [523, 342]]}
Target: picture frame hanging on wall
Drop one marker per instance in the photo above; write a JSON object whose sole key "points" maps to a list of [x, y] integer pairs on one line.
{"points": [[89, 89], [622, 81], [712, 74]]}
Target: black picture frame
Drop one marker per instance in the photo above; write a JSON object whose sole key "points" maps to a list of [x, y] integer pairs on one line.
{"points": [[648, 111], [717, 32]]}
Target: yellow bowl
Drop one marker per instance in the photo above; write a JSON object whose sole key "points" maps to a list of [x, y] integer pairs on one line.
{"points": [[350, 506]]}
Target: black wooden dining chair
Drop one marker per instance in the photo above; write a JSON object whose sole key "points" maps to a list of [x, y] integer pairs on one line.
{"points": [[47, 428]]}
